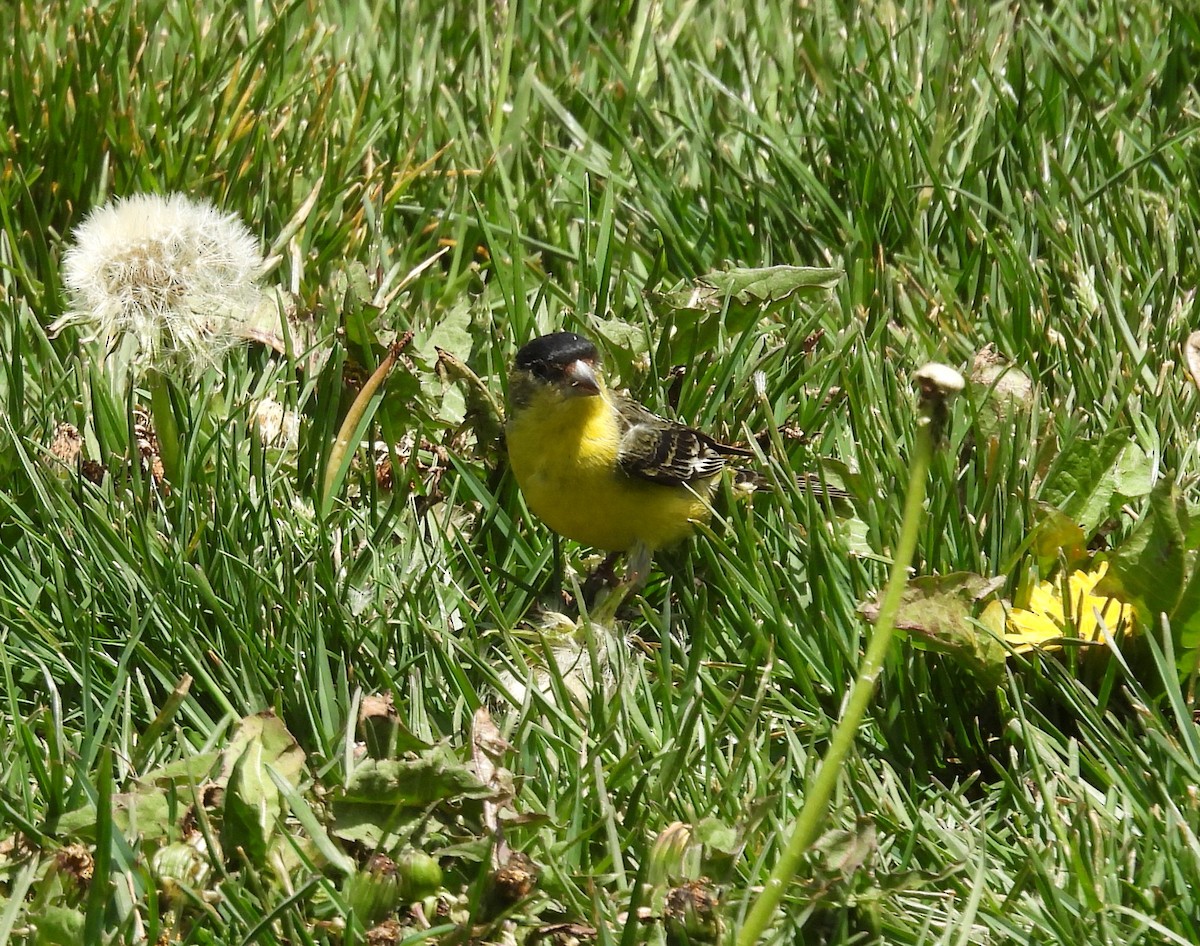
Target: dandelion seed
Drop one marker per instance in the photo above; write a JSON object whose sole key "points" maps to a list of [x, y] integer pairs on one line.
{"points": [[562, 641], [176, 275], [277, 426]]}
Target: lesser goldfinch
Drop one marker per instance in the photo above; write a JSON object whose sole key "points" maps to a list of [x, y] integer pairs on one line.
{"points": [[597, 467]]}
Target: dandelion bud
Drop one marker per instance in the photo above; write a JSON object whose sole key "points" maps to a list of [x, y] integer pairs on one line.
{"points": [[939, 384], [512, 881], [692, 915], [420, 874], [179, 865], [667, 855], [373, 891]]}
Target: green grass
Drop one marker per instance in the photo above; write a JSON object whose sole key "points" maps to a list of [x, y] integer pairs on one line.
{"points": [[1023, 175]]}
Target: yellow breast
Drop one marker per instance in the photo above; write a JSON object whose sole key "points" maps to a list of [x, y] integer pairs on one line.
{"points": [[563, 452]]}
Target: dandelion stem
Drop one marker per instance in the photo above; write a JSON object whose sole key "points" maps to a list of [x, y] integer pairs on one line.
{"points": [[166, 430], [808, 822]]}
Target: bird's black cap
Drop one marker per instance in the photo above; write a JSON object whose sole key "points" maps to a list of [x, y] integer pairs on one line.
{"points": [[555, 351]]}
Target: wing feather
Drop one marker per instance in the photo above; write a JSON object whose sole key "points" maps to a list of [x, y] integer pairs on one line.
{"points": [[662, 451]]}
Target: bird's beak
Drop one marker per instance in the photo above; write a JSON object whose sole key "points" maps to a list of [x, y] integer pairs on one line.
{"points": [[581, 379]]}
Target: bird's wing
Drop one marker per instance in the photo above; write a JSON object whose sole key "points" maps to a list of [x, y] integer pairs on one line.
{"points": [[662, 451]]}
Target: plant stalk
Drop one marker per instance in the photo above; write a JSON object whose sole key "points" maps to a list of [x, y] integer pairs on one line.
{"points": [[355, 424], [166, 430], [808, 822]]}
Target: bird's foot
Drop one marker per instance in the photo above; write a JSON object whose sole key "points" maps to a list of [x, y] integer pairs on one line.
{"points": [[602, 578], [637, 570]]}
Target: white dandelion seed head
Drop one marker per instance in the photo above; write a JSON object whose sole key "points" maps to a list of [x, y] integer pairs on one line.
{"points": [[585, 671], [176, 274], [940, 379], [276, 425]]}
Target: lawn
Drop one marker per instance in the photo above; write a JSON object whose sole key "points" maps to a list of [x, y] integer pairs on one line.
{"points": [[286, 659]]}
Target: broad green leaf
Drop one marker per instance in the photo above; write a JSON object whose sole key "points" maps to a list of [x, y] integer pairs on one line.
{"points": [[383, 732], [451, 332], [253, 803], [312, 826], [194, 769], [771, 283], [146, 814], [390, 798], [626, 345], [696, 298], [150, 813], [482, 410], [1133, 474], [373, 824], [1185, 622], [837, 480], [940, 613], [845, 851], [252, 807], [1150, 565], [279, 748], [353, 283], [57, 926], [434, 775], [359, 316], [856, 537], [453, 408], [1089, 474], [714, 833], [1185, 619], [1056, 536], [627, 336]]}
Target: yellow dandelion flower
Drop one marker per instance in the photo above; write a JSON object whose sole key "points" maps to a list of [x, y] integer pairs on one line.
{"points": [[1048, 619]]}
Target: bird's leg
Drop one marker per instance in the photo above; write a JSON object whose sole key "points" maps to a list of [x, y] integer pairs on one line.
{"points": [[557, 574], [602, 576], [637, 570]]}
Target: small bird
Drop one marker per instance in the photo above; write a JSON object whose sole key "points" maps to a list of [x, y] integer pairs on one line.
{"points": [[600, 468]]}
